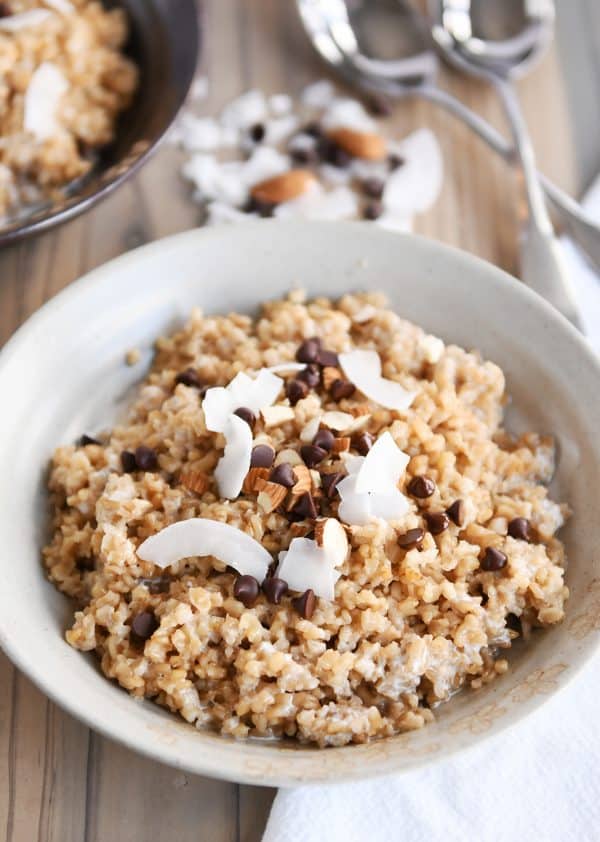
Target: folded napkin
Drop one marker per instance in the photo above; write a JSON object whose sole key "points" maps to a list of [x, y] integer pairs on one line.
{"points": [[538, 781]]}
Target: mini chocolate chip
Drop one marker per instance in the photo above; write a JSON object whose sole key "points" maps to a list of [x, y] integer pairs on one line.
{"points": [[85, 564], [295, 391], [128, 461], [412, 538], [190, 377], [331, 153], [421, 487], [329, 483], [395, 161], [146, 458], [143, 626], [373, 210], [85, 440], [246, 415], [311, 375], [301, 155], [312, 455], [262, 456], [437, 522], [305, 507], [372, 187], [283, 475], [305, 604], [313, 129], [324, 439], [308, 351], [493, 559], [327, 358], [456, 512], [520, 528], [246, 589], [257, 132], [341, 389], [379, 105], [363, 442], [275, 589]]}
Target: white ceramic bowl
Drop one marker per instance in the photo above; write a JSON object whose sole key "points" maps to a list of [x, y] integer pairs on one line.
{"points": [[63, 373]]}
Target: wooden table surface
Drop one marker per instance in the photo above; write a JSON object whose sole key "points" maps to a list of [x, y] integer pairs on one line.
{"points": [[58, 780]]}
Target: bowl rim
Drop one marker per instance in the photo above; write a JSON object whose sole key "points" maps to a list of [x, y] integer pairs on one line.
{"points": [[228, 766], [76, 206]]}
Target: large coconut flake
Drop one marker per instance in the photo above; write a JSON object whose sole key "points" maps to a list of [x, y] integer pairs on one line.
{"points": [[363, 368], [200, 537], [235, 462], [382, 467], [306, 566], [254, 393], [42, 99]]}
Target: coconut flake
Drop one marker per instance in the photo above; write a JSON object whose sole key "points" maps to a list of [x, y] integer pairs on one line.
{"points": [[280, 128], [42, 98], [280, 104], [233, 466], [201, 537], [415, 186], [317, 203], [273, 416], [254, 393], [383, 466], [219, 213], [306, 566], [318, 94], [23, 20], [198, 134], [363, 368], [348, 114], [245, 111], [338, 421]]}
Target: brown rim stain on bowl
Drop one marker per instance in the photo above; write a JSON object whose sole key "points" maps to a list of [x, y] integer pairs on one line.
{"points": [[165, 43]]}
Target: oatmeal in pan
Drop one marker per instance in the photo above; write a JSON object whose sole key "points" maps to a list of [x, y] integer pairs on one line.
{"points": [[63, 82], [312, 524]]}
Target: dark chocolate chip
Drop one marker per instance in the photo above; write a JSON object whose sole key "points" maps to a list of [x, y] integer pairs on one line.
{"points": [[246, 589], [324, 439], [329, 483], [128, 461], [295, 391], [373, 210], [305, 604], [437, 522], [520, 528], [304, 156], [312, 455], [331, 153], [456, 512], [283, 475], [311, 375], [143, 626], [146, 458], [493, 559], [421, 487], [246, 415], [262, 456], [411, 539], [257, 132], [305, 507], [395, 161], [327, 358], [275, 589], [379, 105], [85, 440], [308, 351], [363, 442], [85, 564], [190, 377], [372, 187], [313, 129], [341, 389]]}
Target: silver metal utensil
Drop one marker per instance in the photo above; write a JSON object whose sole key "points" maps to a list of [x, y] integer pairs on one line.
{"points": [[330, 29], [498, 62]]}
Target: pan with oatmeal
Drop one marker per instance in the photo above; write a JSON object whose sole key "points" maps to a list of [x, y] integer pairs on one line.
{"points": [[312, 524]]}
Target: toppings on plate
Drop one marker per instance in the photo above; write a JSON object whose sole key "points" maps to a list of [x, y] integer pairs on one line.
{"points": [[199, 537], [363, 369]]}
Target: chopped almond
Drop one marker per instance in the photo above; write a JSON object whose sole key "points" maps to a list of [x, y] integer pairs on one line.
{"points": [[252, 476], [195, 481], [341, 444], [303, 479], [270, 494]]}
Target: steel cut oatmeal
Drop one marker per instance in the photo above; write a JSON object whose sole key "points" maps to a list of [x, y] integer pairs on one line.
{"points": [[324, 550]]}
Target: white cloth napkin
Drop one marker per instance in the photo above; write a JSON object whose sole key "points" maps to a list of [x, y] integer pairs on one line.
{"points": [[539, 782]]}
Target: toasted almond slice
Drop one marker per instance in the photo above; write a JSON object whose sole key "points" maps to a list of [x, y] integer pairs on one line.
{"points": [[270, 494], [303, 479], [292, 457], [330, 375], [331, 536], [195, 481], [273, 416], [341, 444], [253, 475], [282, 188], [366, 145]]}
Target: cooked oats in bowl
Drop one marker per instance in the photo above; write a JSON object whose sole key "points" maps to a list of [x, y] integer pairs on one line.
{"points": [[311, 524]]}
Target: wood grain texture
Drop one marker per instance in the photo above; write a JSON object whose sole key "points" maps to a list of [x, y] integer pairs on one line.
{"points": [[59, 781]]}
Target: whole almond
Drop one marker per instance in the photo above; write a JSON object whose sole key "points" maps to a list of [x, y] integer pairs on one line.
{"points": [[195, 481], [366, 145], [282, 188]]}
